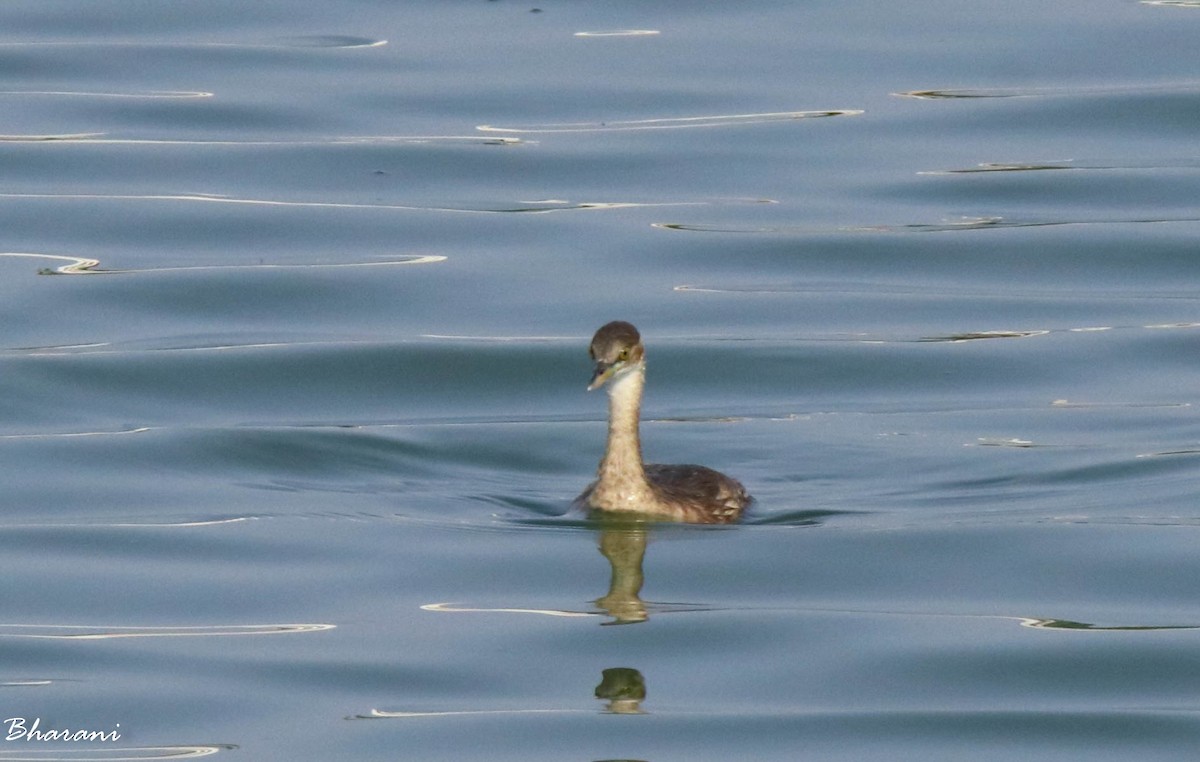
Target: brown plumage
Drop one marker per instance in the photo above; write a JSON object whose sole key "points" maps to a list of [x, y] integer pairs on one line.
{"points": [[623, 483]]}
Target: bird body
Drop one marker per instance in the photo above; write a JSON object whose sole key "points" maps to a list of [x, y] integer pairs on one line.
{"points": [[624, 484]]}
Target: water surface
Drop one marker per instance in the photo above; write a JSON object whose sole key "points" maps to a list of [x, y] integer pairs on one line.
{"points": [[296, 302]]}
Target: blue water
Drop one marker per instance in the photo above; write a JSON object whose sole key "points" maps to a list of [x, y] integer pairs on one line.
{"points": [[296, 300]]}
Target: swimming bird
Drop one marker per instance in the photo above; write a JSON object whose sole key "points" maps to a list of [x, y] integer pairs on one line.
{"points": [[624, 484]]}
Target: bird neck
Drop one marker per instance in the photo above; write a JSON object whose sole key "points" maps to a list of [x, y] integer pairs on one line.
{"points": [[623, 455]]}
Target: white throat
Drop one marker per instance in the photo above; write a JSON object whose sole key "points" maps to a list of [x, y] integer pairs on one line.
{"points": [[622, 480], [625, 389]]}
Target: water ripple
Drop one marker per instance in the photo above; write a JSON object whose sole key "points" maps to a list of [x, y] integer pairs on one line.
{"points": [[949, 226], [881, 289], [327, 41], [723, 120], [113, 754], [455, 608], [51, 138], [98, 632], [173, 94], [1067, 624], [136, 524], [98, 138], [380, 714], [1072, 165], [547, 206], [621, 33], [1009, 442], [1037, 623], [321, 41], [1009, 167], [978, 335], [87, 266], [1049, 92]]}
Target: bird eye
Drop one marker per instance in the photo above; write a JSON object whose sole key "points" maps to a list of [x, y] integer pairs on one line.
{"points": [[624, 355]]}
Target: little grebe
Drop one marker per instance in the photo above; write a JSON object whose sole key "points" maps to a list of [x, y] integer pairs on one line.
{"points": [[623, 483]]}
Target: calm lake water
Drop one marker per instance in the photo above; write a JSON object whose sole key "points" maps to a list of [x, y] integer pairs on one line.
{"points": [[296, 299]]}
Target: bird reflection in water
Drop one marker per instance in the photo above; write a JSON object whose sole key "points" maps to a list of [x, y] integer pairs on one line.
{"points": [[624, 545], [623, 542], [623, 688]]}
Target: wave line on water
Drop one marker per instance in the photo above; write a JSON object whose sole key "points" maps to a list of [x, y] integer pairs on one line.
{"points": [[1167, 453], [131, 524], [1069, 165], [1005, 442], [107, 348], [73, 434], [114, 754], [94, 138], [1067, 624], [548, 206], [64, 137], [883, 288], [963, 336], [1024, 621], [452, 609], [620, 33], [1043, 166], [100, 632], [951, 226], [981, 335], [1040, 623], [721, 120], [175, 524], [967, 93], [481, 338], [87, 265], [173, 94], [75, 266], [999, 223], [313, 42], [380, 714]]}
